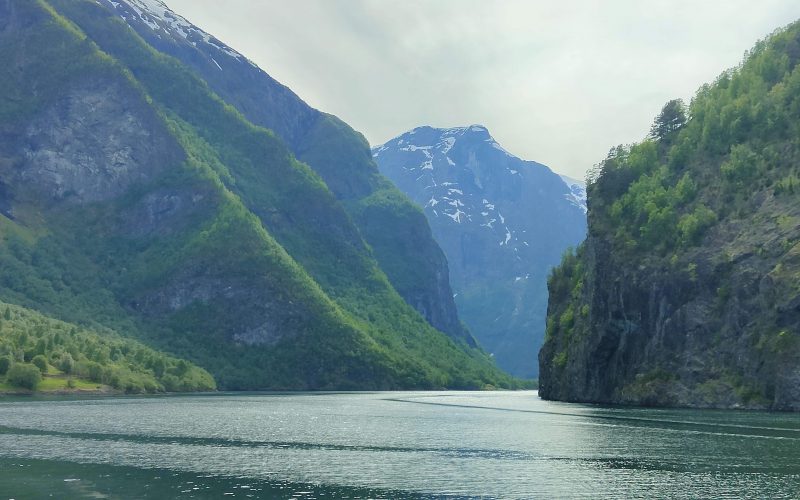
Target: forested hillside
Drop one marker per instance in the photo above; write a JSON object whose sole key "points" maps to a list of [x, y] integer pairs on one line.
{"points": [[40, 353], [687, 291]]}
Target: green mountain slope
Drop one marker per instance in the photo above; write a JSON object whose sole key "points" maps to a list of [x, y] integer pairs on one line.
{"points": [[76, 358], [397, 232], [136, 199], [687, 291]]}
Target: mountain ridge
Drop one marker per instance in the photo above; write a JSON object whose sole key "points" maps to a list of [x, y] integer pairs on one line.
{"points": [[336, 152]]}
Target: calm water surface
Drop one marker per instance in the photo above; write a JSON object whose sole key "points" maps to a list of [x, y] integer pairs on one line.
{"points": [[389, 445]]}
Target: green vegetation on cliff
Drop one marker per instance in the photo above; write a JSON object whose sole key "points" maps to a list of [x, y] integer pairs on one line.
{"points": [[398, 235], [687, 291]]}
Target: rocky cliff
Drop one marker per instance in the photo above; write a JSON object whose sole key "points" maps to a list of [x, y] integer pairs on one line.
{"points": [[687, 290], [502, 222]]}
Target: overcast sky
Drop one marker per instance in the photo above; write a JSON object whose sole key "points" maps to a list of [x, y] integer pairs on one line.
{"points": [[559, 82]]}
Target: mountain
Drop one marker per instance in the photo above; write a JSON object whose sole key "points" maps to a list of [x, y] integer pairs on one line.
{"points": [[397, 233], [502, 222], [135, 198], [687, 289], [578, 190]]}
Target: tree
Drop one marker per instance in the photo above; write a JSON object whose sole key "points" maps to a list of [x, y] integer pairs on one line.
{"points": [[671, 119], [24, 375], [5, 364], [691, 227], [67, 363], [742, 165], [40, 362]]}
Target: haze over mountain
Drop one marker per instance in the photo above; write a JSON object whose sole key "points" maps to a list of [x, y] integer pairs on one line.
{"points": [[136, 198], [554, 81], [502, 222]]}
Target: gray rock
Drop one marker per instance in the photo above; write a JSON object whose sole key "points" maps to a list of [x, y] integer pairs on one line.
{"points": [[725, 335], [93, 144]]}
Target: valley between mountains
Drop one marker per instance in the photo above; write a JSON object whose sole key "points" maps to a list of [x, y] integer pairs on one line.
{"points": [[174, 219]]}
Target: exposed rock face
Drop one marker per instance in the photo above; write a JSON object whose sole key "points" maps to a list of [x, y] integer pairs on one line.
{"points": [[230, 74], [697, 336], [341, 156], [162, 212], [258, 317], [502, 222], [94, 143]]}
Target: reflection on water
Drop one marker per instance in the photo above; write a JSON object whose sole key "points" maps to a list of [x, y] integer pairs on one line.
{"points": [[390, 445]]}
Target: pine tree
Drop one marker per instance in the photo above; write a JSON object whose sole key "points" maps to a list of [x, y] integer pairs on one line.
{"points": [[671, 119]]}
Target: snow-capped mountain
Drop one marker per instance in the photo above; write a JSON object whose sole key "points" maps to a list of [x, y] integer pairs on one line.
{"points": [[159, 17], [577, 191], [503, 222], [231, 75]]}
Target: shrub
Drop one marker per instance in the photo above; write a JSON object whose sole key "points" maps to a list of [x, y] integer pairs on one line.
{"points": [[567, 319], [692, 226], [560, 359], [742, 165], [24, 375]]}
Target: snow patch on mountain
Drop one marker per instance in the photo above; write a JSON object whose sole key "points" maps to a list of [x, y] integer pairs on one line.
{"points": [[508, 237], [497, 146], [577, 194], [160, 18], [448, 143], [429, 153]]}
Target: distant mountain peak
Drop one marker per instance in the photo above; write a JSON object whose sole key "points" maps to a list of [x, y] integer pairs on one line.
{"points": [[438, 157], [502, 222], [428, 138]]}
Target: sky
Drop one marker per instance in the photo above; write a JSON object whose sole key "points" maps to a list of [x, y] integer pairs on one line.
{"points": [[559, 82]]}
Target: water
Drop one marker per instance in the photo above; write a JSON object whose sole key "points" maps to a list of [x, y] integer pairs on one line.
{"points": [[389, 445]]}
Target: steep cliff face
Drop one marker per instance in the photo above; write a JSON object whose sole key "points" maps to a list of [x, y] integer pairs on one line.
{"points": [[503, 223], [687, 290], [92, 144], [136, 199], [335, 151]]}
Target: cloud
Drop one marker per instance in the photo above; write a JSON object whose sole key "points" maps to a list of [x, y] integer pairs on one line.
{"points": [[557, 82]]}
